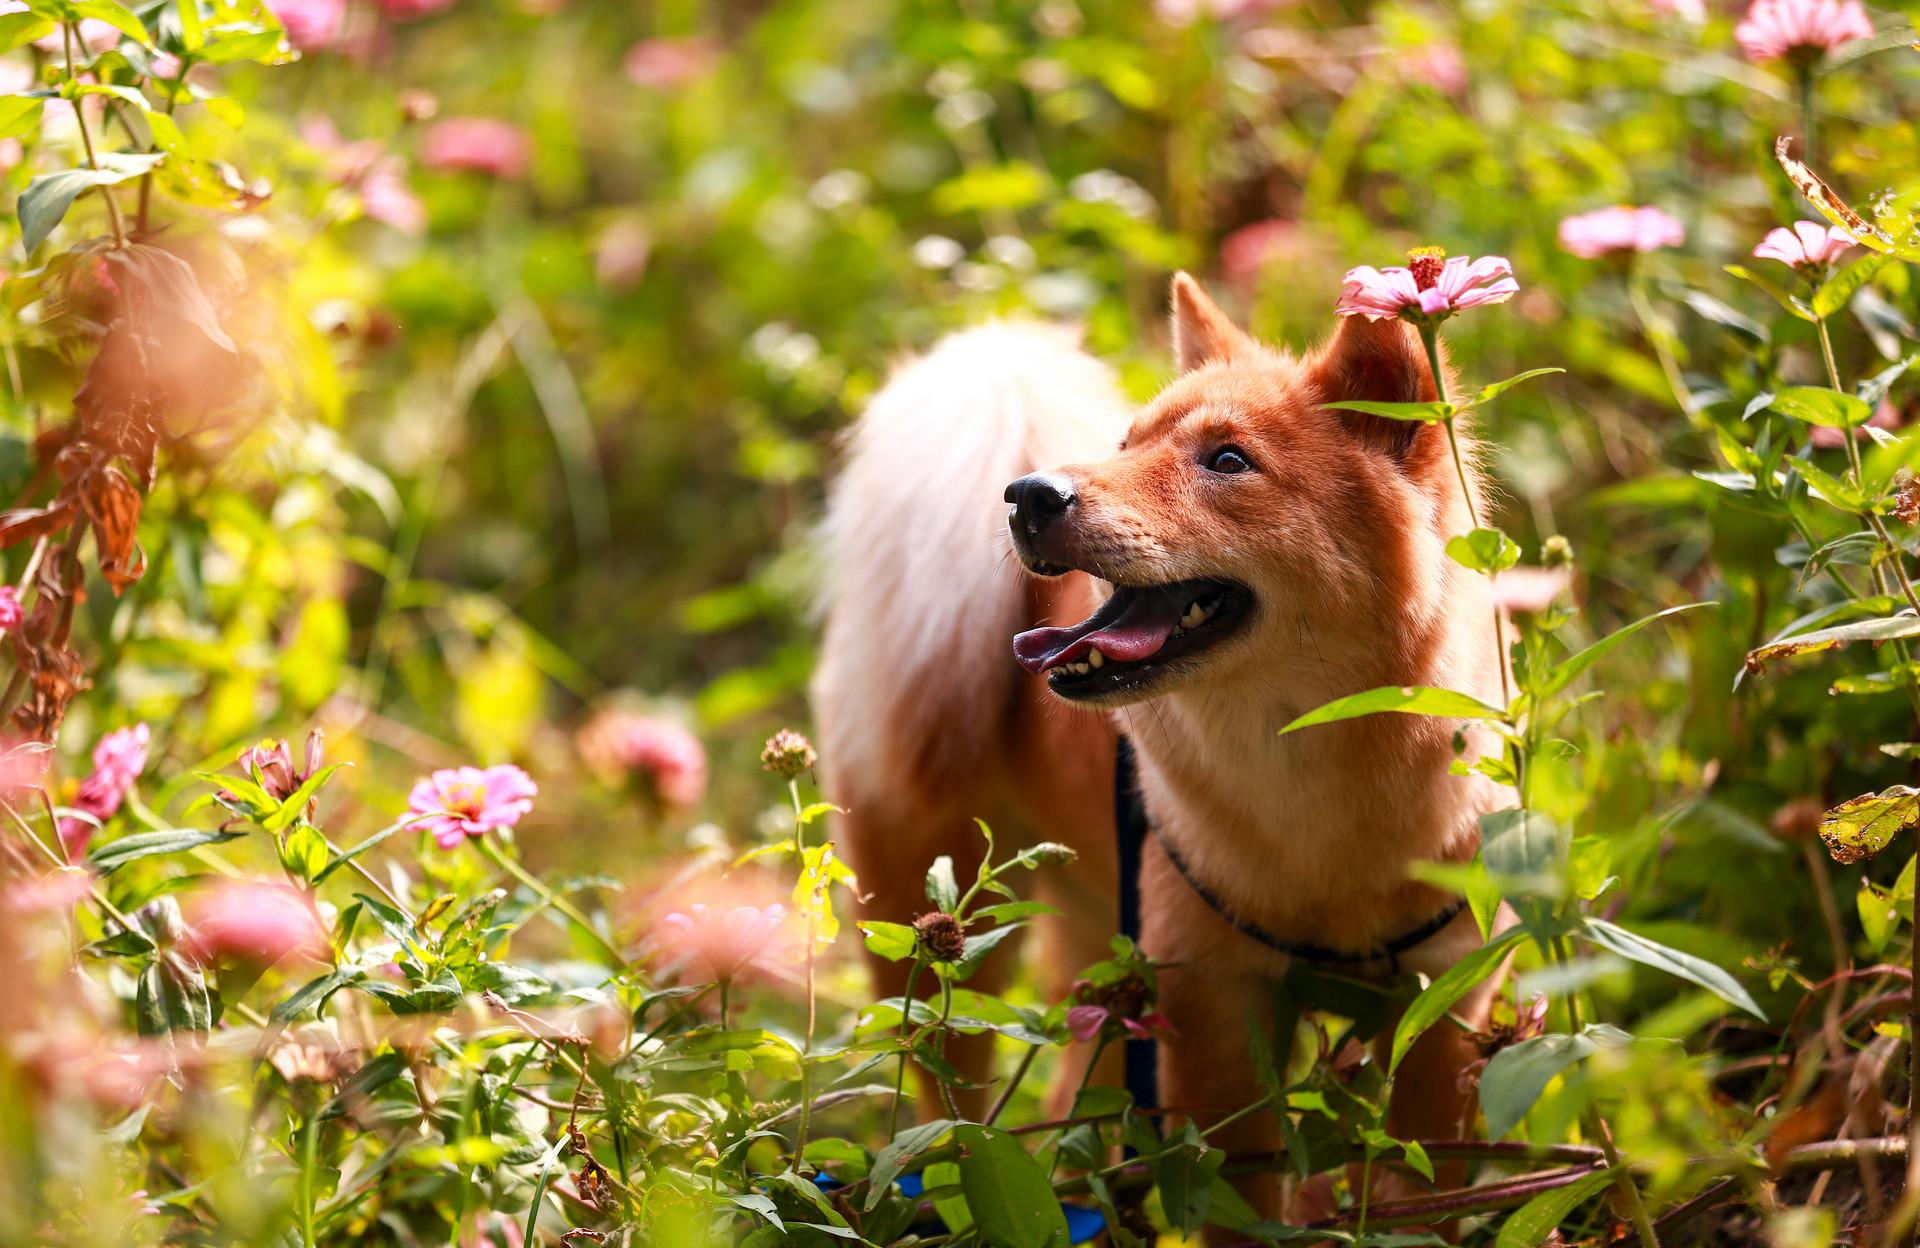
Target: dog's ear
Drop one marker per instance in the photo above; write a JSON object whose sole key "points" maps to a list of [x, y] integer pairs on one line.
{"points": [[1377, 362], [1202, 334]]}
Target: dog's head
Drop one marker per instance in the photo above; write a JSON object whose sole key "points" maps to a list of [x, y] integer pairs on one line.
{"points": [[1241, 512]]}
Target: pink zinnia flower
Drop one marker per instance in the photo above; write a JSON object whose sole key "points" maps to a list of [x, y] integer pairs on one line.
{"points": [[477, 144], [311, 25], [1809, 246], [1430, 289], [724, 939], [1087, 1021], [1886, 416], [456, 803], [118, 759], [661, 64], [10, 612], [1776, 28], [664, 757], [1591, 235], [1122, 1007], [246, 921]]}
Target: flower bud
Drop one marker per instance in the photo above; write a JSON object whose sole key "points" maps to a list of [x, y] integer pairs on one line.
{"points": [[938, 937], [1556, 552], [787, 754], [1051, 854]]}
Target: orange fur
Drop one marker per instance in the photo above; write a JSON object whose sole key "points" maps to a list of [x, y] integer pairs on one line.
{"points": [[1340, 537]]}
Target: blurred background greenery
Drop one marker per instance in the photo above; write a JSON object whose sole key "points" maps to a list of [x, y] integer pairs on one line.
{"points": [[556, 309]]}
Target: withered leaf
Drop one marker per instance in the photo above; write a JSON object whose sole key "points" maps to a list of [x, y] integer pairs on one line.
{"points": [[1860, 827], [1886, 628], [25, 522], [1830, 205], [113, 504]]}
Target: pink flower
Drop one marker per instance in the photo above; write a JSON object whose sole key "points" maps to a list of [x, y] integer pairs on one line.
{"points": [[1809, 246], [1886, 416], [662, 64], [311, 25], [412, 10], [1087, 1021], [380, 178], [1591, 235], [456, 803], [118, 759], [1430, 289], [1246, 252], [1529, 589], [10, 612], [1776, 28], [665, 758], [246, 921], [1437, 64], [724, 939], [477, 144]]}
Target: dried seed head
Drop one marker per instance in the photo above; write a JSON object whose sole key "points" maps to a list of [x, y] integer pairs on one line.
{"points": [[1906, 499], [939, 937], [1799, 819], [787, 754]]}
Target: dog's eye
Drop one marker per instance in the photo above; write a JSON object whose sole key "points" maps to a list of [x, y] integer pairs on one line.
{"points": [[1228, 460]]}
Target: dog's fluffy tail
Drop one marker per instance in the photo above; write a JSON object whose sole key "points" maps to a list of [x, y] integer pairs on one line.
{"points": [[922, 591]]}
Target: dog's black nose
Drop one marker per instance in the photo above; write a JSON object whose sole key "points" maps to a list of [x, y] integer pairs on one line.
{"points": [[1038, 499]]}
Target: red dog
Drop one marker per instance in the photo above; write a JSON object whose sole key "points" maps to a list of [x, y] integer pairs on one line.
{"points": [[1202, 573]]}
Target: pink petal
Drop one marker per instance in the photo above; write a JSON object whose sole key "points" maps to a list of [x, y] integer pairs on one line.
{"points": [[1085, 1021]]}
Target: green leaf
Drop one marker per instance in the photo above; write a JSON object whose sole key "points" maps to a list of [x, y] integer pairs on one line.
{"points": [[19, 115], [1426, 413], [1568, 670], [1637, 948], [1531, 1224], [1817, 405], [17, 29], [1517, 1075], [1185, 1178], [1791, 303], [1838, 290], [1519, 843], [1494, 390], [113, 855], [1008, 1194], [1403, 699], [1484, 550], [815, 811], [1459, 979], [892, 941], [1861, 827], [1830, 488], [47, 197], [1875, 388], [304, 852], [942, 890], [172, 996], [1879, 915], [115, 15], [892, 1159]]}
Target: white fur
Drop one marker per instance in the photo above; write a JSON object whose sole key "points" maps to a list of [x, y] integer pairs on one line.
{"points": [[921, 590]]}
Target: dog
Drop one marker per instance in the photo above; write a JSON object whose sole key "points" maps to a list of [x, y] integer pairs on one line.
{"points": [[1195, 576]]}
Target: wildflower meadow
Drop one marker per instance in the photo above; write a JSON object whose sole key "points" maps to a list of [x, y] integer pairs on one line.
{"points": [[416, 421]]}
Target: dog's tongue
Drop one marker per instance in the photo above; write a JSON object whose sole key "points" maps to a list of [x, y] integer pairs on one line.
{"points": [[1133, 625]]}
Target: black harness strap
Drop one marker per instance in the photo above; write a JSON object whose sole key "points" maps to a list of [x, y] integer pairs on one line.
{"points": [[1131, 828]]}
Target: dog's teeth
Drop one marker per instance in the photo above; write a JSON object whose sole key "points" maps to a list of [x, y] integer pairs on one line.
{"points": [[1196, 616], [1095, 659]]}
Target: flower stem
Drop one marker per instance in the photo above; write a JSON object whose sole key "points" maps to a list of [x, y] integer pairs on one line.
{"points": [[906, 1019], [1597, 1124], [491, 853], [86, 140], [1430, 336], [806, 1053]]}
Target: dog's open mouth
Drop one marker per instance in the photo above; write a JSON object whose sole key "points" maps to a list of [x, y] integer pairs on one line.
{"points": [[1134, 638]]}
